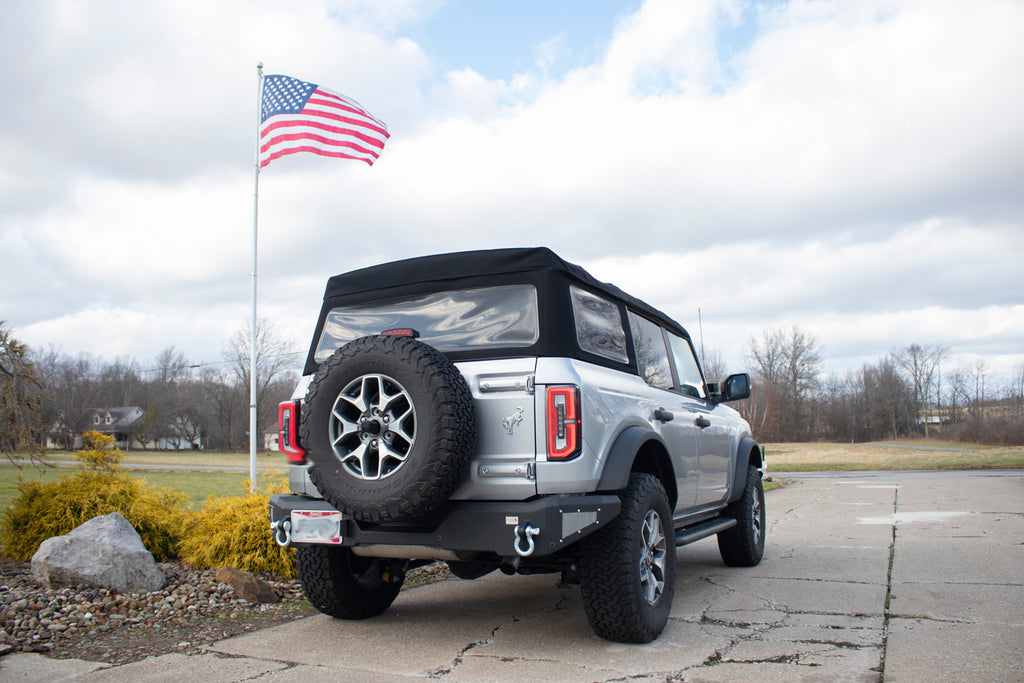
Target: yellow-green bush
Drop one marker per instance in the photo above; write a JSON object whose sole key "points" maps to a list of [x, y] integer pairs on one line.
{"points": [[99, 453], [42, 510], [228, 530], [235, 531]]}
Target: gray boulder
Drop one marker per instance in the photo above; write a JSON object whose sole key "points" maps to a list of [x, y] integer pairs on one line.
{"points": [[106, 551]]}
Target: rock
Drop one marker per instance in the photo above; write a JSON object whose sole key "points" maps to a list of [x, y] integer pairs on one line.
{"points": [[105, 551], [247, 586]]}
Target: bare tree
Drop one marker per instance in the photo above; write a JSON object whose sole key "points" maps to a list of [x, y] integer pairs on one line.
{"points": [[172, 367], [1017, 392], [224, 404], [166, 396], [891, 407], [21, 424], [715, 367], [786, 367], [839, 408], [71, 392], [769, 356], [959, 398], [921, 363], [275, 361], [120, 383], [980, 372]]}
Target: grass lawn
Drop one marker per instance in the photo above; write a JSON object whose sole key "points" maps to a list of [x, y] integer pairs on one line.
{"points": [[891, 455], [179, 458], [197, 484]]}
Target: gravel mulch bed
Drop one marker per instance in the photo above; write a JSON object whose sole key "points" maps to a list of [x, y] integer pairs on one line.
{"points": [[191, 612]]}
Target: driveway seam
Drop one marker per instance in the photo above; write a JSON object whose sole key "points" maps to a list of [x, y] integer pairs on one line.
{"points": [[888, 582]]}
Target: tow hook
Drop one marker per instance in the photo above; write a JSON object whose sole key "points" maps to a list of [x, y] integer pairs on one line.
{"points": [[525, 534], [282, 530]]}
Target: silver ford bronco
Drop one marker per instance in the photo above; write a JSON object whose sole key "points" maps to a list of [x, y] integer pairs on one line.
{"points": [[504, 409]]}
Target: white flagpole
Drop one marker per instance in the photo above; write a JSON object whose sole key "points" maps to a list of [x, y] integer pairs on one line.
{"points": [[252, 339]]}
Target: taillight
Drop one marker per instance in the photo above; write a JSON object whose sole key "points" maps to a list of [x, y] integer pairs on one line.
{"points": [[288, 432], [564, 424]]}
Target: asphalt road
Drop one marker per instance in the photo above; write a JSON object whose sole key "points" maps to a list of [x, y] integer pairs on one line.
{"points": [[867, 577]]}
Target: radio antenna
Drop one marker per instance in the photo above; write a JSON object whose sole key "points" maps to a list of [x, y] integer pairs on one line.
{"points": [[700, 327]]}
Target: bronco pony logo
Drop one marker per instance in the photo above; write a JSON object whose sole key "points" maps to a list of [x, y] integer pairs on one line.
{"points": [[513, 420]]}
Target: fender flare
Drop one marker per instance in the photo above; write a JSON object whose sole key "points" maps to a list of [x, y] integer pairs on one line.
{"points": [[739, 475], [621, 455]]}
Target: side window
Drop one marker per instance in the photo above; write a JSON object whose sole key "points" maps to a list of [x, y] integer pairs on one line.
{"points": [[651, 355], [598, 325], [690, 380]]}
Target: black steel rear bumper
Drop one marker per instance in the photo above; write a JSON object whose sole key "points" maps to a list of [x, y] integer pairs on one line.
{"points": [[507, 528]]}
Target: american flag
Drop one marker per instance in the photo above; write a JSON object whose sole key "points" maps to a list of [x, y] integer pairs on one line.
{"points": [[303, 117]]}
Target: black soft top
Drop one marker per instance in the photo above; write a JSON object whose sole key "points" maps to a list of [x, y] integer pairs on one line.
{"points": [[429, 274]]}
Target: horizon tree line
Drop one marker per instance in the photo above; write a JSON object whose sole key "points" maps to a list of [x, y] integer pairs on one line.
{"points": [[904, 393], [48, 393]]}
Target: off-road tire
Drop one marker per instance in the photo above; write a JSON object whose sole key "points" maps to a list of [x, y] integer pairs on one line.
{"points": [[611, 567], [743, 544], [439, 431], [343, 585]]}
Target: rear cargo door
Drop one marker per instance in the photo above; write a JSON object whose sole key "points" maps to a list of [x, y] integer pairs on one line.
{"points": [[504, 467]]}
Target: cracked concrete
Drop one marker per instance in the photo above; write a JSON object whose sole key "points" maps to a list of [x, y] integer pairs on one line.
{"points": [[894, 577]]}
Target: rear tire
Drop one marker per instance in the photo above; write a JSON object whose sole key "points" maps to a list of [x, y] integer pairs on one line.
{"points": [[743, 544], [627, 570], [343, 585]]}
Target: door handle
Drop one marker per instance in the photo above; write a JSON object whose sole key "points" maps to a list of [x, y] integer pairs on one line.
{"points": [[702, 422], [662, 415]]}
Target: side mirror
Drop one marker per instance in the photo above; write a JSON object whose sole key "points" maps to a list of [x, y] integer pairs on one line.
{"points": [[734, 388]]}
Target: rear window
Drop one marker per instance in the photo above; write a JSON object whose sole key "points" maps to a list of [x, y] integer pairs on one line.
{"points": [[458, 320]]}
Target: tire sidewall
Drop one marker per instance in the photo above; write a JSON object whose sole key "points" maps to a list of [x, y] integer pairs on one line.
{"points": [[612, 591], [757, 492], [656, 615], [737, 545]]}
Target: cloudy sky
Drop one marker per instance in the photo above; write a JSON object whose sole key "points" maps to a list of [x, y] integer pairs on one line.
{"points": [[855, 168]]}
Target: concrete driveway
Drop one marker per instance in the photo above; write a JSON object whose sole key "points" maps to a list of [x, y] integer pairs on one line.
{"points": [[866, 577]]}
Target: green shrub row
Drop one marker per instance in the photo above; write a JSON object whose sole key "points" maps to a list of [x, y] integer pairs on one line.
{"points": [[227, 530]]}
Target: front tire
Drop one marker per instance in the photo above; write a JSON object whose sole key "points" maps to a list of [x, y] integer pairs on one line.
{"points": [[343, 585], [627, 570], [743, 544]]}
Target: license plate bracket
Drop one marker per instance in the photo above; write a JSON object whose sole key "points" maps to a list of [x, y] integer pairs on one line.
{"points": [[316, 526]]}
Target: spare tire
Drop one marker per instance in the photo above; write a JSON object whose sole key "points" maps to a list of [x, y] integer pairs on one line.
{"points": [[389, 428]]}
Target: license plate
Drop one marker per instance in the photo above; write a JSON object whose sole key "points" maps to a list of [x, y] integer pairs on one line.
{"points": [[316, 526]]}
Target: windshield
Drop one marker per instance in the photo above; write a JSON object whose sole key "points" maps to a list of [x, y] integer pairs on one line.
{"points": [[449, 321]]}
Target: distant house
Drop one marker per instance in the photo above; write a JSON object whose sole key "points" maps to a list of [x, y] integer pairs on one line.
{"points": [[119, 423], [271, 441], [123, 424]]}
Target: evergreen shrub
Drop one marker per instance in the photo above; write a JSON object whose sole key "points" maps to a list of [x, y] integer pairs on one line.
{"points": [[235, 531]]}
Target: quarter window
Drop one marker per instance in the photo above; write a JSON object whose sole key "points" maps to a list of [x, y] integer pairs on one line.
{"points": [[651, 355], [598, 325]]}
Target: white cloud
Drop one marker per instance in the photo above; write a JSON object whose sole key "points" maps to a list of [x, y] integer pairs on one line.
{"points": [[852, 168], [861, 299]]}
